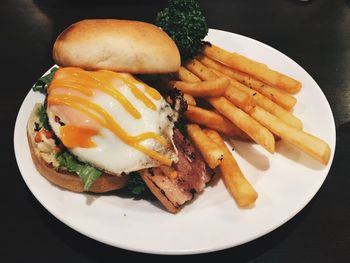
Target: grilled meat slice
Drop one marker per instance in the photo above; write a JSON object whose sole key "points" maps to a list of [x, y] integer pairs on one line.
{"points": [[190, 177], [193, 172]]}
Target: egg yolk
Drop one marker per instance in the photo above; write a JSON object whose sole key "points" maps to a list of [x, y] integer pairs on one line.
{"points": [[74, 136]]}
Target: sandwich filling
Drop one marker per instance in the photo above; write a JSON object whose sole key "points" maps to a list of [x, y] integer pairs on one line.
{"points": [[111, 120]]}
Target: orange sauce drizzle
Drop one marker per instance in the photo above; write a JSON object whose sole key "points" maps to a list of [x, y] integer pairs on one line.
{"points": [[153, 93], [149, 90], [131, 85], [85, 82]]}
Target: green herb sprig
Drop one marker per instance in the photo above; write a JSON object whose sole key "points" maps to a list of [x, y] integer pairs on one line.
{"points": [[184, 22]]}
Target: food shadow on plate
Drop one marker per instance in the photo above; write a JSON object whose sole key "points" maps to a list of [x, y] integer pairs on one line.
{"points": [[121, 193], [215, 179], [146, 195], [248, 152], [300, 158], [125, 194]]}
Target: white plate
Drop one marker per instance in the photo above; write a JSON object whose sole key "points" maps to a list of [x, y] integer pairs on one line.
{"points": [[285, 181]]}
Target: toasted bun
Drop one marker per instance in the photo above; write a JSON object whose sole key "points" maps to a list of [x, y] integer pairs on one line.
{"points": [[66, 180], [147, 178], [117, 45]]}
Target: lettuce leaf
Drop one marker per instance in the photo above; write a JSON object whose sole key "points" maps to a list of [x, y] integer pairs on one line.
{"points": [[42, 83], [86, 172], [44, 120]]}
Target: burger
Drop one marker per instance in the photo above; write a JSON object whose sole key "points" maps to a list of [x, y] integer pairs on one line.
{"points": [[100, 122]]}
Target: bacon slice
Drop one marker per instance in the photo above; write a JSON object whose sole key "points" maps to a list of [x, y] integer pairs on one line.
{"points": [[192, 175], [193, 172]]}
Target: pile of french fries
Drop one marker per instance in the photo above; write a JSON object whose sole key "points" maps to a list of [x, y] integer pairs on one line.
{"points": [[231, 95]]}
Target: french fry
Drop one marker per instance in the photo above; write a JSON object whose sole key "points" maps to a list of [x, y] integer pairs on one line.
{"points": [[278, 96], [266, 104], [242, 120], [254, 68], [200, 70], [190, 100], [238, 186], [212, 120], [186, 75], [239, 98], [306, 142], [208, 88], [212, 154]]}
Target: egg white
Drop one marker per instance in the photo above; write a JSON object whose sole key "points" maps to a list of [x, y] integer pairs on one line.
{"points": [[111, 153]]}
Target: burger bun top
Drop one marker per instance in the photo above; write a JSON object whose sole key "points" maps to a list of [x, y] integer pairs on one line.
{"points": [[118, 45]]}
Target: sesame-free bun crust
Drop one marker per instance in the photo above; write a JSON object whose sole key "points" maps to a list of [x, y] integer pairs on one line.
{"points": [[118, 45]]}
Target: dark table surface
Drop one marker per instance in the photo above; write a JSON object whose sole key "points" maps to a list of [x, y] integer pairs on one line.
{"points": [[315, 34]]}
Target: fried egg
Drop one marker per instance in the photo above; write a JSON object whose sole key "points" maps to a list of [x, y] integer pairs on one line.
{"points": [[111, 120]]}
